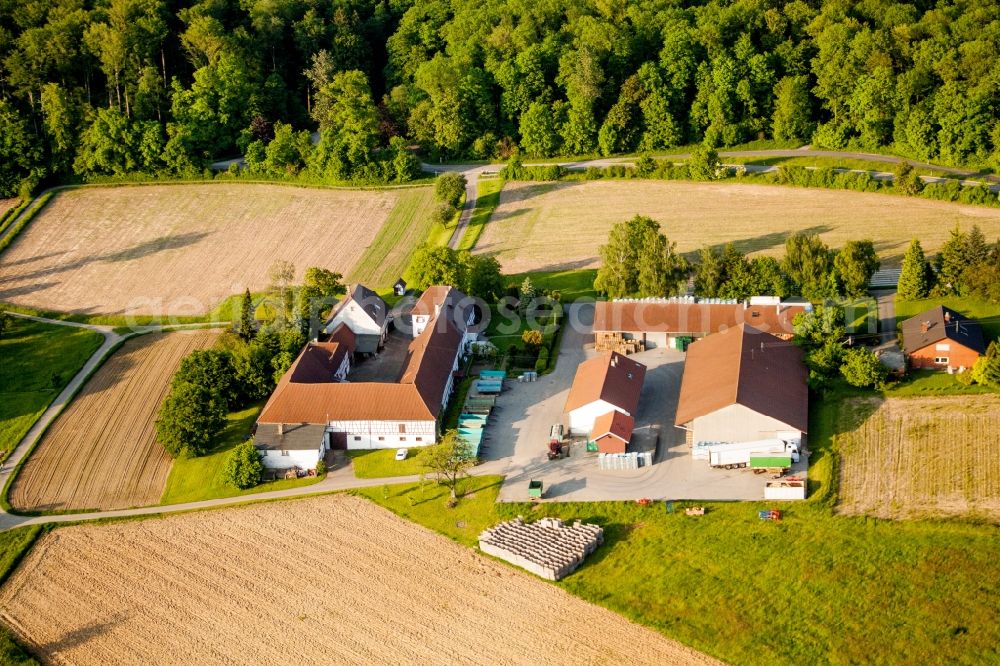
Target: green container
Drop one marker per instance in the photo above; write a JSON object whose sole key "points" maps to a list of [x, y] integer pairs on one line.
{"points": [[591, 446], [769, 462]]}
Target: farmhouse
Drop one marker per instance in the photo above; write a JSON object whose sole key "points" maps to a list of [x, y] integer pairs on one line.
{"points": [[942, 338], [366, 314], [603, 386], [673, 322], [318, 402], [743, 385]]}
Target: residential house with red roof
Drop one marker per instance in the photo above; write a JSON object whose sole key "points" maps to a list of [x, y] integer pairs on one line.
{"points": [[943, 338], [743, 385]]}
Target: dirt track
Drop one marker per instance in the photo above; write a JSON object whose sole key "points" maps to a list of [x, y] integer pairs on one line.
{"points": [[553, 226], [101, 453], [921, 457], [321, 581], [182, 249]]}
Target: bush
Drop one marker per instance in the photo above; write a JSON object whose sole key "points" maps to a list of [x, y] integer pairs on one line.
{"points": [[540, 365], [532, 338], [449, 187], [190, 417], [862, 368], [243, 467], [321, 468]]}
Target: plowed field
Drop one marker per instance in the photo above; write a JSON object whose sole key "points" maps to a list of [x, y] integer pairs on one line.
{"points": [[560, 226], [332, 580], [101, 453], [914, 457], [182, 249]]}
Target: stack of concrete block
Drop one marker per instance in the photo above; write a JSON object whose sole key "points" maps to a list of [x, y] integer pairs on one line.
{"points": [[548, 547]]}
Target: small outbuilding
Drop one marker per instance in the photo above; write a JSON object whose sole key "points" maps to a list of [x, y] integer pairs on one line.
{"points": [[284, 446], [612, 432], [607, 383], [942, 338], [400, 287]]}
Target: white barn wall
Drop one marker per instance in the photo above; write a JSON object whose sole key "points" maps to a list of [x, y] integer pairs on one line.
{"points": [[303, 459], [386, 434], [737, 423], [356, 319], [581, 419]]}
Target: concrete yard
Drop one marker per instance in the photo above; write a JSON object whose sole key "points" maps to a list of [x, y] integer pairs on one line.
{"points": [[518, 433]]}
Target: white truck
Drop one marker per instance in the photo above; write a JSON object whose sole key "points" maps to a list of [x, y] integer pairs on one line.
{"points": [[737, 455]]}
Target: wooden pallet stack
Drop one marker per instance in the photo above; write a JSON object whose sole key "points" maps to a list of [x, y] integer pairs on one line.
{"points": [[606, 341]]}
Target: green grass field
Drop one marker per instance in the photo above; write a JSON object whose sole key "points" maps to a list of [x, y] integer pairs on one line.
{"points": [[406, 228], [37, 360], [572, 285], [14, 545], [862, 316], [988, 314], [487, 198], [196, 479], [814, 588], [933, 383], [382, 462]]}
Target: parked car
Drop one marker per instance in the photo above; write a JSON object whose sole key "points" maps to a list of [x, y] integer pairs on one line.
{"points": [[402, 453]]}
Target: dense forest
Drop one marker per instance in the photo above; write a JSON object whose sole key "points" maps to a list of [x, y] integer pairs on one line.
{"points": [[114, 87]]}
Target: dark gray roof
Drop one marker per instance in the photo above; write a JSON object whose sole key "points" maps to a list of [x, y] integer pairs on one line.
{"points": [[942, 323], [295, 437], [369, 301]]}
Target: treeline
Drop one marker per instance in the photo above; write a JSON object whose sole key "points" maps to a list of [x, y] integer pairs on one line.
{"points": [[639, 260], [163, 86], [966, 266]]}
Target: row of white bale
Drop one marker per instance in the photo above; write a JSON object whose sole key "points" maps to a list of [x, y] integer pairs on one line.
{"points": [[548, 547]]}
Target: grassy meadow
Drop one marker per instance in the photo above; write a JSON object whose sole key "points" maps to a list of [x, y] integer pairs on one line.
{"points": [[37, 361], [201, 478], [487, 199], [409, 224], [382, 462], [814, 588]]}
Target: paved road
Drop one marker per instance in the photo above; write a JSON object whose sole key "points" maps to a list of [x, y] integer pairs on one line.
{"points": [[886, 300]]}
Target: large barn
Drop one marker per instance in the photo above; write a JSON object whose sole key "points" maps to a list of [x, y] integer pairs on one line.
{"points": [[743, 385], [671, 322], [316, 399], [943, 338]]}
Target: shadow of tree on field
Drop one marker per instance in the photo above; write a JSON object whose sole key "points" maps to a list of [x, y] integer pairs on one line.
{"points": [[81, 636]]}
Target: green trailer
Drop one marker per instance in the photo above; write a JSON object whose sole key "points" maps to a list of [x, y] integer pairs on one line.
{"points": [[535, 489]]}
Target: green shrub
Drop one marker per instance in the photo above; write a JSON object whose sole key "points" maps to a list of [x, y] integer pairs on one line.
{"points": [[244, 468], [321, 468]]}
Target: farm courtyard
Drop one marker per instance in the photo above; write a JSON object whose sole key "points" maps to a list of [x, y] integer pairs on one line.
{"points": [[101, 453], [327, 580], [559, 226], [182, 249], [921, 457]]}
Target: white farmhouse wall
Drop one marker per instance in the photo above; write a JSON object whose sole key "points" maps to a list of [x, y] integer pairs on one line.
{"points": [[419, 323], [386, 434], [356, 319], [344, 369], [274, 459], [581, 419], [737, 423]]}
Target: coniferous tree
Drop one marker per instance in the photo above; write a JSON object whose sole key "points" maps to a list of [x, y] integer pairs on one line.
{"points": [[914, 278], [247, 327]]}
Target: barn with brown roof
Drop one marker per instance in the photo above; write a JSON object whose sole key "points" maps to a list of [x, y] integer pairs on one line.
{"points": [[743, 385], [607, 383], [659, 322], [942, 338]]}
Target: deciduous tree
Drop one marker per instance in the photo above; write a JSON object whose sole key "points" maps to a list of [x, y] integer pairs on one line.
{"points": [[244, 468], [449, 460]]}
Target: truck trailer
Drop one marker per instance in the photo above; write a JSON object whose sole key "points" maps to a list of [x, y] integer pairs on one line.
{"points": [[738, 455]]}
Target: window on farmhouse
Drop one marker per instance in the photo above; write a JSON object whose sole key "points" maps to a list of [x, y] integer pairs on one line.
{"points": [[357, 438], [381, 439], [943, 360], [284, 453], [402, 439], [402, 427], [419, 439]]}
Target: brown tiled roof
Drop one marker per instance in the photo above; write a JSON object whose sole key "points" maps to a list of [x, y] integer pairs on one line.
{"points": [[308, 394], [615, 424], [456, 306], [957, 328], [680, 318], [748, 367], [370, 302], [614, 378], [345, 336], [431, 356]]}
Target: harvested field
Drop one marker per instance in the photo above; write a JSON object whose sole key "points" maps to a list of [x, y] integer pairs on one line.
{"points": [[918, 457], [101, 453], [182, 249], [557, 226], [327, 580]]}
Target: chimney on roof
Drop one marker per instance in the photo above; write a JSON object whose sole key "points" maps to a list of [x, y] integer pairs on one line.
{"points": [[947, 316], [924, 326]]}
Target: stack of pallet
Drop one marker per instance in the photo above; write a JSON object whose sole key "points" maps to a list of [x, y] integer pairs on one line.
{"points": [[605, 341], [548, 548]]}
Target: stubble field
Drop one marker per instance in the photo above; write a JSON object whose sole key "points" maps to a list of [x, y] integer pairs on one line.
{"points": [[182, 249], [559, 226], [102, 453], [327, 580], [920, 457]]}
